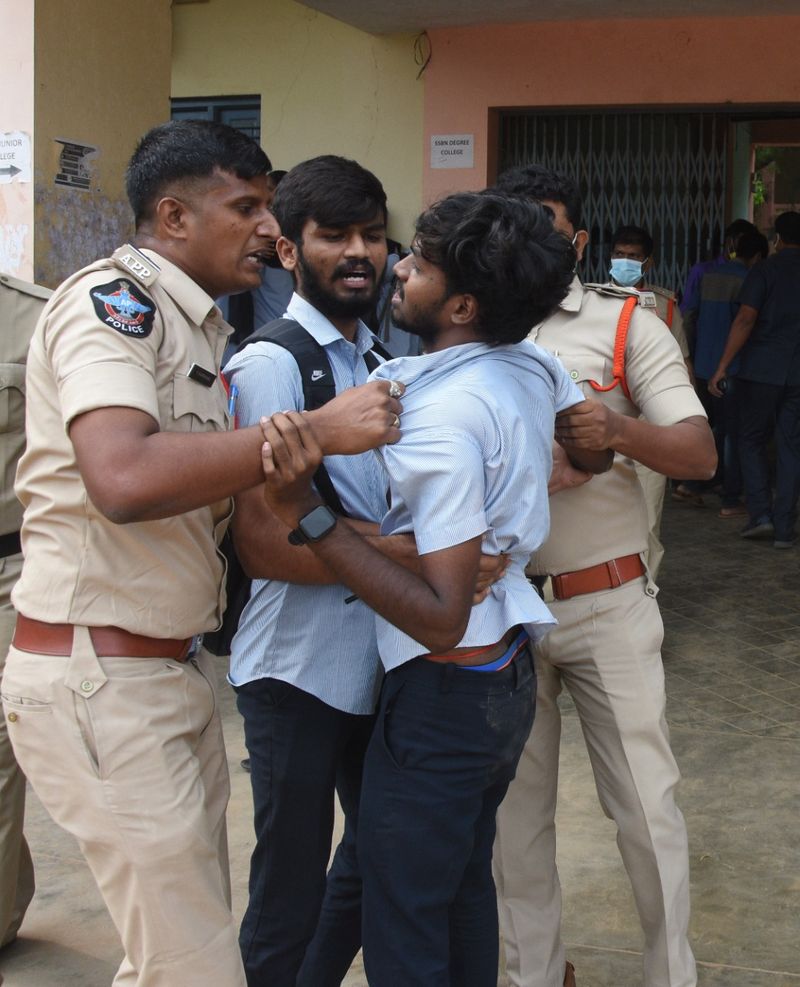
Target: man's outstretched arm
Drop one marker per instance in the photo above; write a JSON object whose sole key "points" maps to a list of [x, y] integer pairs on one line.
{"points": [[134, 471]]}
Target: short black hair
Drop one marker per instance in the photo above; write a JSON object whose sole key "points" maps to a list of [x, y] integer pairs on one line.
{"points": [[787, 226], [739, 226], [750, 245], [184, 150], [637, 236], [330, 190], [534, 181], [504, 251]]}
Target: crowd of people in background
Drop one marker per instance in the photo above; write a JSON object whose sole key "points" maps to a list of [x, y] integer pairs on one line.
{"points": [[448, 463]]}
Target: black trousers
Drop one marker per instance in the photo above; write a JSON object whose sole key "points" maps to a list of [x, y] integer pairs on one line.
{"points": [[301, 752], [765, 409], [444, 750]]}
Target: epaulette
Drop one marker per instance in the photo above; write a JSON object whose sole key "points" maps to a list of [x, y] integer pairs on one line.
{"points": [[26, 287], [134, 262], [612, 290], [664, 292]]}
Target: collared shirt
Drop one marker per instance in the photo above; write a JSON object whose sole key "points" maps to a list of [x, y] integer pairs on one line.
{"points": [[475, 458], [772, 353], [606, 518], [306, 634], [21, 305], [105, 341]]}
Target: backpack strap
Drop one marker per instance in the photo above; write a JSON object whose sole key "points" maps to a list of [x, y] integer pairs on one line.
{"points": [[317, 378], [618, 369]]}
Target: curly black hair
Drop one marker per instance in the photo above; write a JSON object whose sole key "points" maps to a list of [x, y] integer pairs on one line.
{"points": [[502, 250]]}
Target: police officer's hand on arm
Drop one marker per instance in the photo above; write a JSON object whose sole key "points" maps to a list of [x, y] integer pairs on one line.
{"points": [[135, 472], [683, 449], [433, 606]]}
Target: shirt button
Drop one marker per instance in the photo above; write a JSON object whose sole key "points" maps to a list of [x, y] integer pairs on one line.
{"points": [[12, 717], [573, 374], [87, 686], [650, 591]]}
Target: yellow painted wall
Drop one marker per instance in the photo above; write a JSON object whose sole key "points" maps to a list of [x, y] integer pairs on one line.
{"points": [[325, 87], [16, 117], [102, 78]]}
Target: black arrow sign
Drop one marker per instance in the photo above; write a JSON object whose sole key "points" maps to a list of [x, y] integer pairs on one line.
{"points": [[10, 170]]}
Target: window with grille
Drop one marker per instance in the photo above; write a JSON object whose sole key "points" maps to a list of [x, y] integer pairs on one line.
{"points": [[664, 171], [241, 112]]}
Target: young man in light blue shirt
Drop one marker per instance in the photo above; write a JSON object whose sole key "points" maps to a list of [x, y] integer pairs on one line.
{"points": [[470, 474]]}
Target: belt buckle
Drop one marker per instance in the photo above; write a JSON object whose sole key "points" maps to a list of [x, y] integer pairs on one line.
{"points": [[195, 644], [544, 587]]}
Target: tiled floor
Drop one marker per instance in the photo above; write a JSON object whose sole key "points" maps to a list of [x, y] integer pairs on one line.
{"points": [[732, 659]]}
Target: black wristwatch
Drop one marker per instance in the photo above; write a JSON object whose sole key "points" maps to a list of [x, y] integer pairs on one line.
{"points": [[313, 526]]}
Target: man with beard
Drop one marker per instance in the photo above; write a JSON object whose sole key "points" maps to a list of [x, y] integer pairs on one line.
{"points": [[304, 661]]}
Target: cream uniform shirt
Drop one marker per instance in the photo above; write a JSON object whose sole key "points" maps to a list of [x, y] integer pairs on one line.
{"points": [[21, 305], [131, 331], [606, 518]]}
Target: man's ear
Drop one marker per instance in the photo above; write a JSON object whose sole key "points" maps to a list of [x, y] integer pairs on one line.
{"points": [[647, 263], [465, 310], [581, 240], [287, 252], [171, 215]]}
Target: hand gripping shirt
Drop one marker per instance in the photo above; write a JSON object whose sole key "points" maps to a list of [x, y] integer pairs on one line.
{"points": [[474, 458], [106, 340]]}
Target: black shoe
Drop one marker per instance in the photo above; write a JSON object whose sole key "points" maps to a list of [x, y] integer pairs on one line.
{"points": [[760, 528]]}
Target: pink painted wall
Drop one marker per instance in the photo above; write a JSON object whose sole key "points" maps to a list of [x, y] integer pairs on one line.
{"points": [[613, 63]]}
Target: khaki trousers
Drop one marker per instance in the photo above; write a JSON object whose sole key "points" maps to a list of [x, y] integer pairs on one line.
{"points": [[127, 755], [606, 650], [16, 867]]}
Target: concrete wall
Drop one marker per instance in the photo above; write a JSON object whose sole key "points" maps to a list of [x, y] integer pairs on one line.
{"points": [[16, 124], [684, 62], [102, 79], [325, 87]]}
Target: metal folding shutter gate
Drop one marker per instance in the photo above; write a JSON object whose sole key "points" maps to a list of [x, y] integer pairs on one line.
{"points": [[663, 171]]}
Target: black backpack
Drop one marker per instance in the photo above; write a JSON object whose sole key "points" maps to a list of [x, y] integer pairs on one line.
{"points": [[318, 388]]}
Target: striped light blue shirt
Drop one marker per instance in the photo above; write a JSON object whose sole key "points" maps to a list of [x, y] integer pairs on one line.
{"points": [[306, 634], [474, 459]]}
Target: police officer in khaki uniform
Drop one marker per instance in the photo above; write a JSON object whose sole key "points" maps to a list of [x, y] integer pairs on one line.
{"points": [[126, 484], [606, 648], [20, 306], [631, 261]]}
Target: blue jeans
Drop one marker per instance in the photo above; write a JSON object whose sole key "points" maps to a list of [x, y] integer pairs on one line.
{"points": [[444, 750], [767, 409], [301, 751]]}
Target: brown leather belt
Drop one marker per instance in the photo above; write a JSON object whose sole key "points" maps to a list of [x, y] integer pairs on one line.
{"points": [[605, 575], [109, 642]]}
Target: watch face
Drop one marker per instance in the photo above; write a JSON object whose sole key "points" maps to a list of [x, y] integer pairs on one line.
{"points": [[317, 523]]}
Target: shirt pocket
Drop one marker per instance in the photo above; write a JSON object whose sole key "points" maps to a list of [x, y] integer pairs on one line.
{"points": [[12, 397], [196, 408], [587, 370]]}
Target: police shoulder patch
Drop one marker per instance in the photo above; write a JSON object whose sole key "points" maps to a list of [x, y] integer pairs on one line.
{"points": [[124, 307]]}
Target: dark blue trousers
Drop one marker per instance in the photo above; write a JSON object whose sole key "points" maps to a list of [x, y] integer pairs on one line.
{"points": [[444, 750], [765, 409], [301, 752]]}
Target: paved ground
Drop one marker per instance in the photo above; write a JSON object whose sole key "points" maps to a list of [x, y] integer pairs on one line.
{"points": [[732, 657]]}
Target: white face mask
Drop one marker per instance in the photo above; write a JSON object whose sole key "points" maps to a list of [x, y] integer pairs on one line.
{"points": [[626, 272]]}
